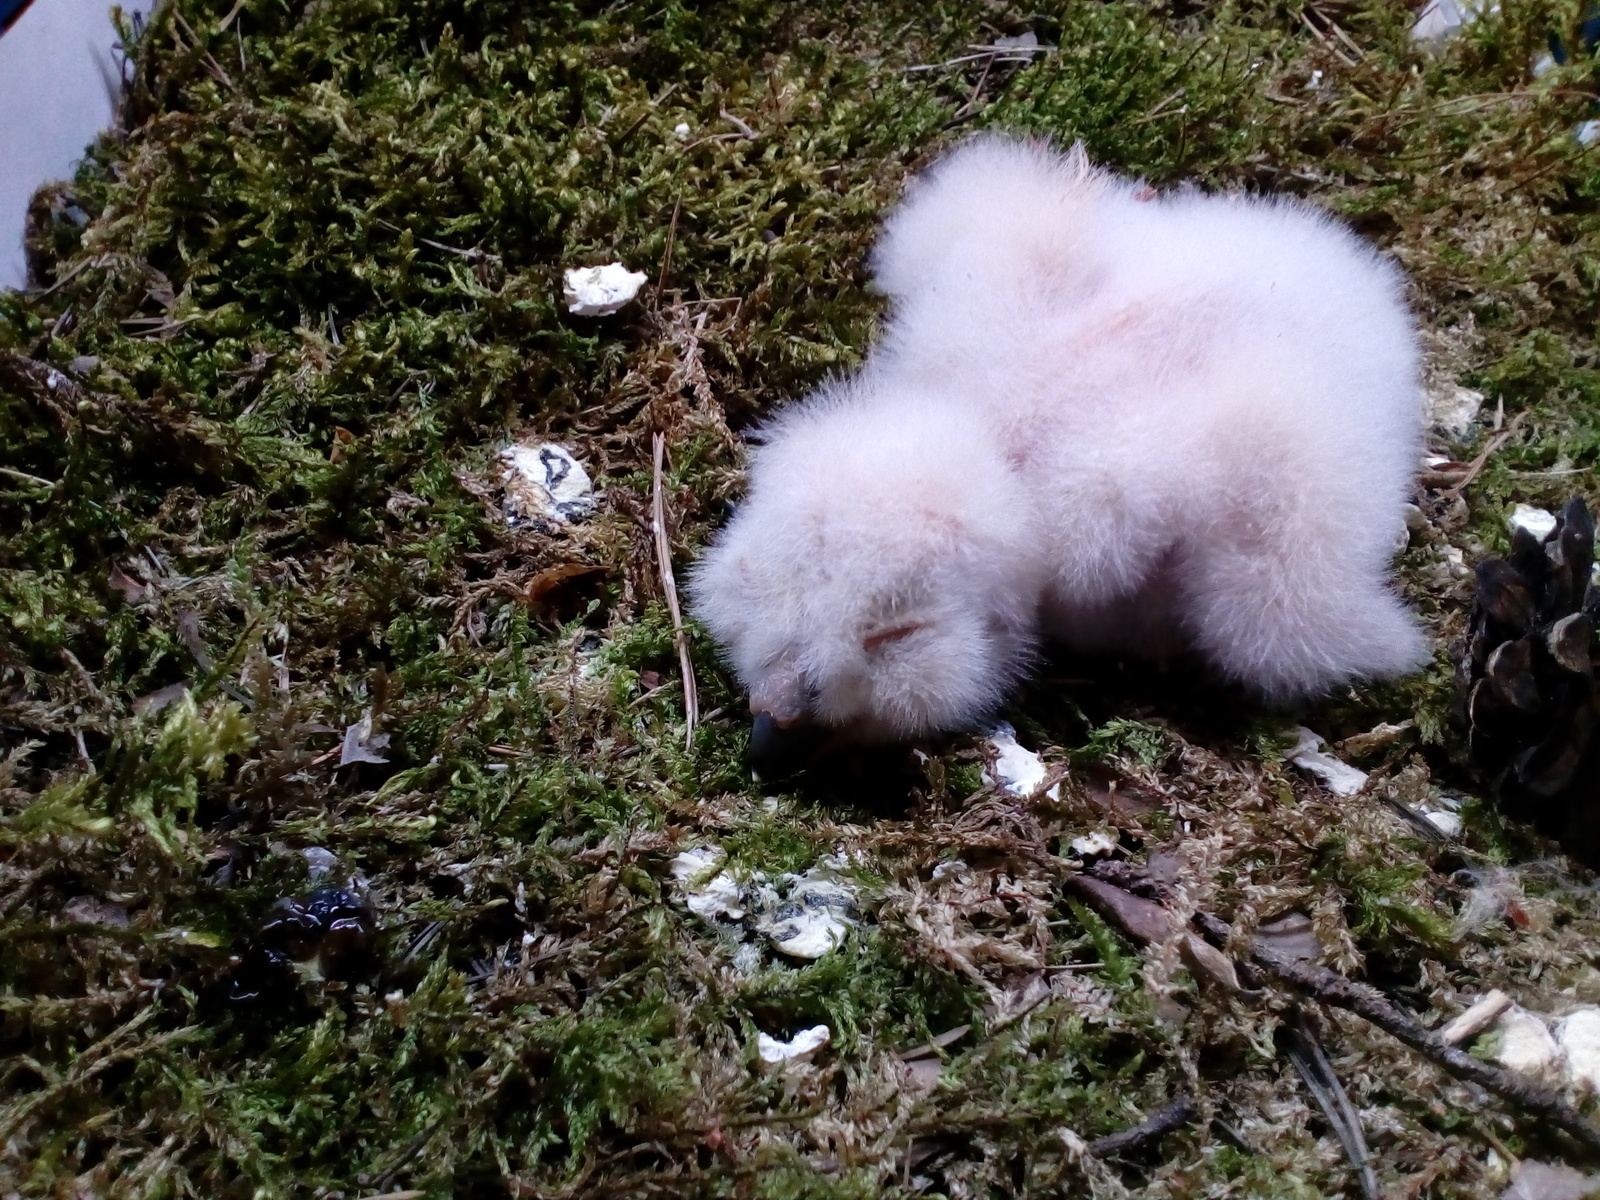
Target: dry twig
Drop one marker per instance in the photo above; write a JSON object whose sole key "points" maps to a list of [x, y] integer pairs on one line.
{"points": [[658, 525], [1477, 465], [743, 128], [24, 477], [1367, 1002], [1338, 32], [1144, 920], [211, 65], [1177, 1113], [475, 254], [87, 262], [1159, 109], [54, 391], [1328, 42], [989, 54], [666, 254]]}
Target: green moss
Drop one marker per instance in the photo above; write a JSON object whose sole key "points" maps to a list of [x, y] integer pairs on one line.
{"points": [[1118, 967], [318, 289], [1122, 738], [1383, 898]]}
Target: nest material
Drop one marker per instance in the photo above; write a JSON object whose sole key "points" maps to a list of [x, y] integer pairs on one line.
{"points": [[247, 427], [1530, 677]]}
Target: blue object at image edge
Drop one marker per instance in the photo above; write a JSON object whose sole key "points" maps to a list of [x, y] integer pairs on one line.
{"points": [[10, 10]]}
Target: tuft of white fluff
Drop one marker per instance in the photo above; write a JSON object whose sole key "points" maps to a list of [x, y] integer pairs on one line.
{"points": [[1126, 421]]}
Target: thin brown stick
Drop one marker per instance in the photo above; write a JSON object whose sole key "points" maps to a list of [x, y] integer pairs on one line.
{"points": [[1170, 112], [1330, 987], [658, 525], [36, 480], [666, 255], [51, 389], [1019, 54], [1326, 41], [212, 66], [85, 680], [88, 262], [1140, 918], [473, 255], [972, 99], [1179, 1112], [1476, 467], [1160, 106], [742, 127], [1333, 27]]}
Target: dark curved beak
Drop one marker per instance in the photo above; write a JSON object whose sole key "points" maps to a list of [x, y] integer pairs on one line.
{"points": [[775, 751]]}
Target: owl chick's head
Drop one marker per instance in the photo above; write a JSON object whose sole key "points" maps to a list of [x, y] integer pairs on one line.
{"points": [[880, 577]]}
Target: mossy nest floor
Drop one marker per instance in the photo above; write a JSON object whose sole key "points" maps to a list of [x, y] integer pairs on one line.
{"points": [[249, 419]]}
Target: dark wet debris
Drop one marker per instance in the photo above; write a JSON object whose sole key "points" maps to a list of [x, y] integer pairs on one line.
{"points": [[327, 934]]}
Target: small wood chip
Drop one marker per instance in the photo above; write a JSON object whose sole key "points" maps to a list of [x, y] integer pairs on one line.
{"points": [[1475, 1019], [927, 1049]]}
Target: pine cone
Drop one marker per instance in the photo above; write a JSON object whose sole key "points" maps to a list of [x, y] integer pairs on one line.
{"points": [[1531, 698]]}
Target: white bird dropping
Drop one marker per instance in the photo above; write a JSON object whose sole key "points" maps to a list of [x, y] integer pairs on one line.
{"points": [[804, 1044], [1537, 521], [1016, 768], [1130, 422], [1578, 1034], [1337, 776], [710, 893], [544, 486], [600, 291]]}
